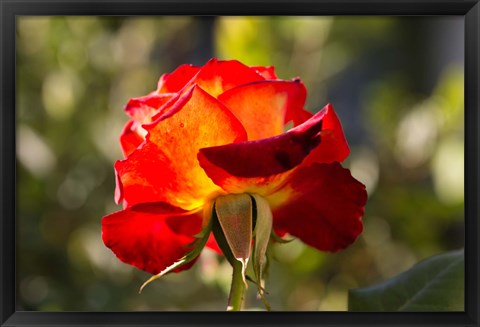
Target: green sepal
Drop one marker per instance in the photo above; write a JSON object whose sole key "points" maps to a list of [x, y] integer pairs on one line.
{"points": [[198, 244], [262, 232], [221, 240], [234, 213], [202, 233]]}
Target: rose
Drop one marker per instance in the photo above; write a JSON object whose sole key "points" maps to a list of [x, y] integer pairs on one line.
{"points": [[219, 129]]}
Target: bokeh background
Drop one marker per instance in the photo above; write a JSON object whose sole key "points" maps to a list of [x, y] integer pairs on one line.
{"points": [[395, 82]]}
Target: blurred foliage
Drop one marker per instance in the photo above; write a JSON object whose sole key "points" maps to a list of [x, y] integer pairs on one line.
{"points": [[434, 284], [396, 83]]}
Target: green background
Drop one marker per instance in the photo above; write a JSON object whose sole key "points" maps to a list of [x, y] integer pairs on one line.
{"points": [[396, 84]]}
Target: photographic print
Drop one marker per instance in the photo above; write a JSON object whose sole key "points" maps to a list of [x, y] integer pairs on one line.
{"points": [[240, 163]]}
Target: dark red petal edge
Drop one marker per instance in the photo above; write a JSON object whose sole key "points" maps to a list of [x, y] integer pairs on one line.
{"points": [[265, 157]]}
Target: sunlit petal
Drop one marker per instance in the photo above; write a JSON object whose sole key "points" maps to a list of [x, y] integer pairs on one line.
{"points": [[165, 167], [262, 107]]}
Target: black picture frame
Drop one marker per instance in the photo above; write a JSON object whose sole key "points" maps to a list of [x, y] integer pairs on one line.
{"points": [[9, 9]]}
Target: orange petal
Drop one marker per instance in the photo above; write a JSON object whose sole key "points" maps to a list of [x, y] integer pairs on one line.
{"points": [[141, 110], [165, 168], [263, 106], [150, 237], [175, 81], [322, 205], [218, 76]]}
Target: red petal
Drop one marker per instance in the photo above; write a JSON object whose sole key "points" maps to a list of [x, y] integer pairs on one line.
{"points": [[334, 146], [301, 117], [213, 245], [261, 166], [175, 81], [263, 106], [146, 237], [324, 208], [130, 139], [216, 77], [144, 108], [165, 168], [266, 72], [262, 158], [118, 188]]}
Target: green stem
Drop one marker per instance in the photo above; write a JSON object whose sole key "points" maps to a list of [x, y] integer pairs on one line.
{"points": [[235, 299]]}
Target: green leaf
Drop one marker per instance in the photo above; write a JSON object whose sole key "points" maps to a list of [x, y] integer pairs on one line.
{"points": [[262, 232], [234, 213], [434, 284], [198, 244]]}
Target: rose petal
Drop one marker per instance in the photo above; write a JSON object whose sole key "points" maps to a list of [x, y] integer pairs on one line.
{"points": [[148, 238], [165, 167], [213, 245], [175, 81], [131, 137], [260, 166], [322, 205], [268, 156], [301, 117], [334, 146], [144, 108], [141, 110], [118, 189], [263, 106], [266, 72], [218, 76]]}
